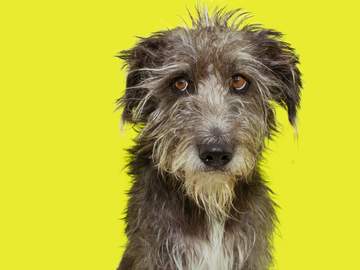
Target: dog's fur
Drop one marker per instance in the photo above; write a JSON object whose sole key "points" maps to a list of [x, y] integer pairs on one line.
{"points": [[181, 214]]}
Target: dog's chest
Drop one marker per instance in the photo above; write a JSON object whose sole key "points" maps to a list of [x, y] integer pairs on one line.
{"points": [[219, 251]]}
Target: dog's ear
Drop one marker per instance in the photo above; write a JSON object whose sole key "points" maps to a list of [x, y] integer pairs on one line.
{"points": [[279, 57], [138, 60]]}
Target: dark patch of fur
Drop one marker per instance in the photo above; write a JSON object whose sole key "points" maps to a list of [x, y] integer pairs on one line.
{"points": [[280, 57]]}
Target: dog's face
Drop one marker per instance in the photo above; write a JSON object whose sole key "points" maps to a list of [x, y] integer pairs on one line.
{"points": [[204, 95]]}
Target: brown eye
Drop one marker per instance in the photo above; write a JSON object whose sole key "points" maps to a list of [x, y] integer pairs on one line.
{"points": [[238, 83], [181, 84]]}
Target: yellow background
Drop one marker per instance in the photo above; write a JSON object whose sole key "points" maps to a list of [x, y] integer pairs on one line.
{"points": [[62, 184]]}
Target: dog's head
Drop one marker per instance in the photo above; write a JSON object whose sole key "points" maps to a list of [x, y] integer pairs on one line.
{"points": [[204, 95]]}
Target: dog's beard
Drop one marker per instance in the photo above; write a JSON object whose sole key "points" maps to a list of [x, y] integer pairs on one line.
{"points": [[213, 191]]}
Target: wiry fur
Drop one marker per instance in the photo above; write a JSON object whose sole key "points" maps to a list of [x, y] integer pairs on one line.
{"points": [[181, 215]]}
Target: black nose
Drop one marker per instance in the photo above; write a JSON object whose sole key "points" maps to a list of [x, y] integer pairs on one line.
{"points": [[215, 155]]}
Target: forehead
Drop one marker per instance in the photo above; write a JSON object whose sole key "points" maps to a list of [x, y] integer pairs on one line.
{"points": [[209, 49]]}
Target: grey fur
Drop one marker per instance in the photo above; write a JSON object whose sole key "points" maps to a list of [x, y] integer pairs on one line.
{"points": [[181, 214]]}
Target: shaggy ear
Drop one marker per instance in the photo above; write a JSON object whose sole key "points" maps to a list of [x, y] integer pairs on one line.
{"points": [[144, 56], [281, 59]]}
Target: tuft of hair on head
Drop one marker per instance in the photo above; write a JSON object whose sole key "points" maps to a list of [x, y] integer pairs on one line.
{"points": [[219, 17]]}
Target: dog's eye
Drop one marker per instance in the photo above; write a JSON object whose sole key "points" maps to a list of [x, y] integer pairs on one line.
{"points": [[238, 83], [181, 84]]}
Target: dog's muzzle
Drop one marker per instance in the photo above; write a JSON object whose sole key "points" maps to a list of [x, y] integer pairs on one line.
{"points": [[214, 155]]}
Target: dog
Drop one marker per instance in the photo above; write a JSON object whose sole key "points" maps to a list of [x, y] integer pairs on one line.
{"points": [[202, 97]]}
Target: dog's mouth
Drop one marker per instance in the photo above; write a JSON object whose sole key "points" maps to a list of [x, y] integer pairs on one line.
{"points": [[216, 169], [225, 160]]}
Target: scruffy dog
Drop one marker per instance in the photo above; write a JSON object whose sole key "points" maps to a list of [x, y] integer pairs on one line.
{"points": [[202, 97]]}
